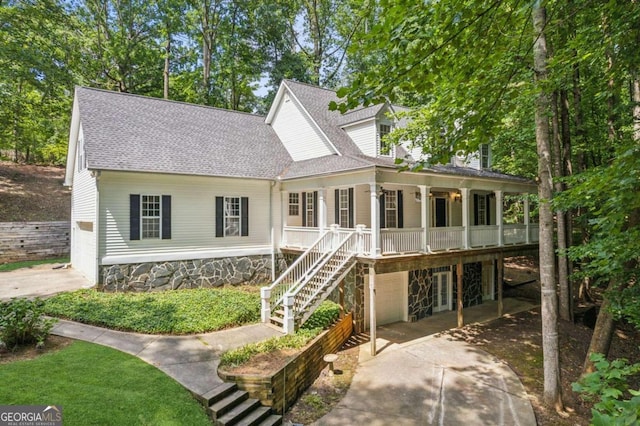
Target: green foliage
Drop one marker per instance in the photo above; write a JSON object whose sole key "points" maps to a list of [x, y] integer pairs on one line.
{"points": [[22, 322], [100, 386], [175, 312], [322, 318], [615, 403], [6, 267]]}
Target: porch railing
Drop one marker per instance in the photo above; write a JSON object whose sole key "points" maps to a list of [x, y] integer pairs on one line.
{"points": [[484, 236], [404, 240], [410, 240], [449, 238]]}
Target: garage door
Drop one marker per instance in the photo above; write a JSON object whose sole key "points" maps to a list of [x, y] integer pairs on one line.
{"points": [[391, 298], [83, 257]]}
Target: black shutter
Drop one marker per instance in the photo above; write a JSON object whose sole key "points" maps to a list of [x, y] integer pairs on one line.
{"points": [[488, 207], [134, 216], [400, 210], [166, 217], [383, 216], [304, 209], [475, 209], [351, 221], [336, 208], [219, 216], [244, 216], [315, 208]]}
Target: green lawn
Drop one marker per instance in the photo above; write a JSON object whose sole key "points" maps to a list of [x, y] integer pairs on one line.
{"points": [[174, 312], [96, 385], [6, 267]]}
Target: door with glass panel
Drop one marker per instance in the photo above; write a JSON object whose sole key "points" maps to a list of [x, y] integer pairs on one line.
{"points": [[442, 290]]}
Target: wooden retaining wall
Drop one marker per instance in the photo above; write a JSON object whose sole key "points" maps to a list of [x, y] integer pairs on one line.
{"points": [[33, 240], [281, 389]]}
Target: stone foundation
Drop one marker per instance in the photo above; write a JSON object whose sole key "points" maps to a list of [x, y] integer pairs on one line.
{"points": [[420, 293], [472, 284], [183, 274]]}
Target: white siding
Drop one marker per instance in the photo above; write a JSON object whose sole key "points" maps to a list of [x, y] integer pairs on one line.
{"points": [[364, 135], [391, 298], [298, 133], [363, 205], [83, 214], [192, 217]]}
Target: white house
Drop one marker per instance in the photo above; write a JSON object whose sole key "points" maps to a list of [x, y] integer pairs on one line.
{"points": [[171, 195]]}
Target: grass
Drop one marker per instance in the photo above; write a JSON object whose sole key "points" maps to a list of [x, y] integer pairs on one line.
{"points": [[96, 385], [6, 267], [167, 312]]}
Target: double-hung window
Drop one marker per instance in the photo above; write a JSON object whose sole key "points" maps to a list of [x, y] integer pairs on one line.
{"points": [[482, 210], [385, 147], [150, 216], [310, 209], [294, 204], [485, 159], [232, 216], [343, 208], [391, 209]]}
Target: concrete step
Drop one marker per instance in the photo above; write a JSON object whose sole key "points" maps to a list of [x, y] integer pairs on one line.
{"points": [[228, 403], [255, 417], [272, 420], [238, 412], [217, 393]]}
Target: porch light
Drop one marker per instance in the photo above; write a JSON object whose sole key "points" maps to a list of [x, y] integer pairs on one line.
{"points": [[418, 197]]}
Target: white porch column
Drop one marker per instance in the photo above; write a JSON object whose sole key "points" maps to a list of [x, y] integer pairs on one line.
{"points": [[466, 241], [322, 209], [526, 220], [499, 218], [425, 206], [375, 220], [372, 309]]}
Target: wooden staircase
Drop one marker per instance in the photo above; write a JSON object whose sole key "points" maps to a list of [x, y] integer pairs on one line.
{"points": [[298, 292], [227, 405]]}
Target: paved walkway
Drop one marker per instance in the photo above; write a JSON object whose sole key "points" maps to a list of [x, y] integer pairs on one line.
{"points": [[190, 360], [40, 281]]}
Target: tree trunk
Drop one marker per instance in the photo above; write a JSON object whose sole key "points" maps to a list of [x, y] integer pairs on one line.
{"points": [[552, 390], [167, 62], [566, 302]]}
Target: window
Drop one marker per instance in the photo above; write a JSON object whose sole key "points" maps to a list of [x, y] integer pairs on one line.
{"points": [[482, 210], [391, 209], [343, 208], [149, 216], [232, 216], [81, 156], [484, 156], [310, 209], [385, 147], [294, 204]]}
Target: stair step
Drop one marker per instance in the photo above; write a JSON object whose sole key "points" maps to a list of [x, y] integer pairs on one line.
{"points": [[277, 320], [238, 412], [227, 403], [217, 393], [272, 420], [255, 417]]}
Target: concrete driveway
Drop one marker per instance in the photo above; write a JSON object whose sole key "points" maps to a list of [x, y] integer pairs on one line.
{"points": [[40, 281]]}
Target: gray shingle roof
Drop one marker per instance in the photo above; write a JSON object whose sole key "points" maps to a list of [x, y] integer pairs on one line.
{"points": [[136, 133]]}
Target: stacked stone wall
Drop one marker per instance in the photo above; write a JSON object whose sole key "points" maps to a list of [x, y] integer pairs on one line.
{"points": [[184, 274]]}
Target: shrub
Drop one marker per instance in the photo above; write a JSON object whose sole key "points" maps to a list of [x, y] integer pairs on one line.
{"points": [[323, 317], [22, 322], [608, 386]]}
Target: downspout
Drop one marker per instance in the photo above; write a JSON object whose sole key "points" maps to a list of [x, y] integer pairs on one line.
{"points": [[96, 229], [273, 242]]}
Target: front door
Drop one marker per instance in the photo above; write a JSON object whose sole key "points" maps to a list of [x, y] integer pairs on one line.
{"points": [[442, 291], [441, 212]]}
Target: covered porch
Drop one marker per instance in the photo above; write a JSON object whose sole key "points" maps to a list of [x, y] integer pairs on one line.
{"points": [[401, 219]]}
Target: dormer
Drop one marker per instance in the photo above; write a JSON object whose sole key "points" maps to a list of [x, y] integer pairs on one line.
{"points": [[367, 127], [479, 160]]}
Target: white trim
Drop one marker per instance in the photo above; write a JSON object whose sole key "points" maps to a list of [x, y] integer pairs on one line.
{"points": [[73, 141], [175, 255], [299, 104], [355, 123]]}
